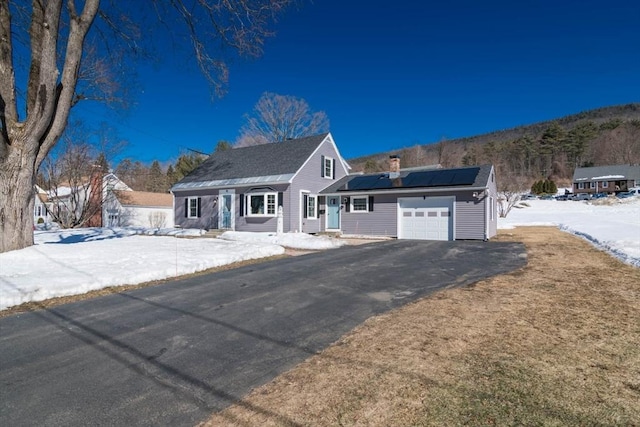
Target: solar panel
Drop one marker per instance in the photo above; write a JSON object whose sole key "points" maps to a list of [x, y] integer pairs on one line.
{"points": [[442, 177], [431, 178], [437, 178], [361, 183]]}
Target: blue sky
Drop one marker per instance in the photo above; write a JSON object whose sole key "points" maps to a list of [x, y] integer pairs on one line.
{"points": [[395, 74]]}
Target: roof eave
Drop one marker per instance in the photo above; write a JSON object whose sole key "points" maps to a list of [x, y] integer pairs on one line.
{"points": [[234, 182], [408, 190]]}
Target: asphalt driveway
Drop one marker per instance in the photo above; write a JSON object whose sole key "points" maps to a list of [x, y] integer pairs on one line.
{"points": [[174, 353]]}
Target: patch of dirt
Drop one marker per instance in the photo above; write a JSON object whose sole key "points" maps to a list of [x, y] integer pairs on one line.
{"points": [[554, 343]]}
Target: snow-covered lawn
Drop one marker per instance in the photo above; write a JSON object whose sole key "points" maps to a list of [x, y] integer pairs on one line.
{"points": [[69, 262], [610, 224]]}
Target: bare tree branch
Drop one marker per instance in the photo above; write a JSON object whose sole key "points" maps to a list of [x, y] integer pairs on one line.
{"points": [[276, 118]]}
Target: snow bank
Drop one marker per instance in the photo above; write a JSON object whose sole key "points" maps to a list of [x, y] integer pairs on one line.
{"points": [[70, 262], [290, 240], [614, 227]]}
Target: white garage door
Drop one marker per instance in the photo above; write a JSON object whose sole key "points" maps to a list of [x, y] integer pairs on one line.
{"points": [[425, 219]]}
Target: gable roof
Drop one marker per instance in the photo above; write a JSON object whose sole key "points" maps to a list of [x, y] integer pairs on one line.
{"points": [[144, 198], [273, 163], [473, 177], [599, 173]]}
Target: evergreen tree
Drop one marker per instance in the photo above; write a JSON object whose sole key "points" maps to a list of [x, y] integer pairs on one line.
{"points": [[576, 141], [186, 163], [223, 146], [157, 180], [551, 143], [172, 177]]}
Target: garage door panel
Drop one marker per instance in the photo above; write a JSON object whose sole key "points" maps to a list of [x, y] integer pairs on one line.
{"points": [[426, 219]]}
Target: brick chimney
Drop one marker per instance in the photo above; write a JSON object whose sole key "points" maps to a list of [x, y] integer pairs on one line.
{"points": [[95, 197], [394, 167]]}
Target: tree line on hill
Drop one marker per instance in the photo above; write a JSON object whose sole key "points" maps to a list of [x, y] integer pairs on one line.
{"points": [[524, 155]]}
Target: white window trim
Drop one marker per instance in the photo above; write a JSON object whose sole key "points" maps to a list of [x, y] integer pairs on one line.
{"points": [[332, 165], [366, 204], [315, 206], [593, 184], [265, 195], [189, 207], [605, 184], [581, 186]]}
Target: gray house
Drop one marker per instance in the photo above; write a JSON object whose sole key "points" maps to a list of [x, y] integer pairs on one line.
{"points": [[606, 179], [427, 204], [243, 188]]}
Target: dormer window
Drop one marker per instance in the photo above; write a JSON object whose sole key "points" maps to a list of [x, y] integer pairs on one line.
{"points": [[328, 167]]}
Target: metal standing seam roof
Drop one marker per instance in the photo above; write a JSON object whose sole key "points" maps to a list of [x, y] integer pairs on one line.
{"points": [[259, 163], [455, 178], [602, 172]]}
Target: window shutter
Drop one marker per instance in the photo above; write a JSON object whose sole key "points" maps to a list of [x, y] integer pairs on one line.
{"points": [[322, 166], [322, 200], [347, 204], [305, 205], [186, 207], [280, 198], [370, 203], [241, 204], [333, 168], [199, 204]]}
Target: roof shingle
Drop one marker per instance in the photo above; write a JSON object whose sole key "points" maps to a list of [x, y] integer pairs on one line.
{"points": [[144, 198], [261, 160]]}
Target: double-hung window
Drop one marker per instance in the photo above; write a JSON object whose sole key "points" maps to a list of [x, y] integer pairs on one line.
{"points": [[193, 207], [581, 186], [605, 184], [261, 204], [311, 206], [592, 184], [328, 167]]}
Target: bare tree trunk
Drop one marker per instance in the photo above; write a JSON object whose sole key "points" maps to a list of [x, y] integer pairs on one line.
{"points": [[25, 144], [16, 202]]}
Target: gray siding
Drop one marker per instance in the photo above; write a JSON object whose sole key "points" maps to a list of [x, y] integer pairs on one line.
{"points": [[309, 179], [257, 224], [469, 216], [383, 221], [208, 210]]}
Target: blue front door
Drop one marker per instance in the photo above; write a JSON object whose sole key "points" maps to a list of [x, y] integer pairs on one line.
{"points": [[226, 211], [333, 213]]}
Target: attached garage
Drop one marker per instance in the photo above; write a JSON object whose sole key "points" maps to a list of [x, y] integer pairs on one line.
{"points": [[426, 218], [417, 203]]}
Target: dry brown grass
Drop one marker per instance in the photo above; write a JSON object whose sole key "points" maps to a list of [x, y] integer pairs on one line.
{"points": [[556, 343]]}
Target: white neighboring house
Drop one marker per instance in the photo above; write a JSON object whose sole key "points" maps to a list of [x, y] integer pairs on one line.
{"points": [[121, 206], [127, 208], [41, 207]]}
